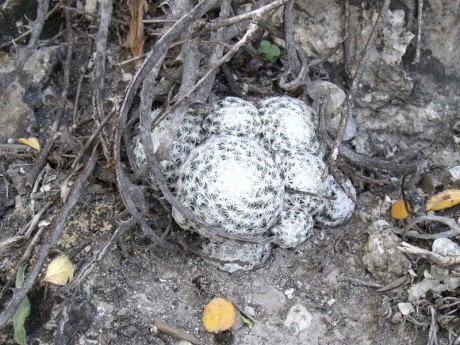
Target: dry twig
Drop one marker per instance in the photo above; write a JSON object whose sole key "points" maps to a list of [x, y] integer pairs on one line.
{"points": [[436, 258], [62, 105], [355, 83]]}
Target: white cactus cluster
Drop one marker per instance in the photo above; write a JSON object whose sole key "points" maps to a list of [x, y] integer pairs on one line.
{"points": [[251, 170]]}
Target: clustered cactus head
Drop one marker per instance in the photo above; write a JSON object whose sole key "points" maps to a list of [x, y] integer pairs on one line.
{"points": [[294, 227], [302, 172], [288, 125], [257, 172], [341, 208], [231, 183], [233, 116], [188, 134]]}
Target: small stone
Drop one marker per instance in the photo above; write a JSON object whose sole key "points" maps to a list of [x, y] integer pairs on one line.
{"points": [[250, 311], [331, 302], [298, 319], [383, 259], [350, 129], [455, 172], [445, 247], [289, 293], [397, 318], [405, 308]]}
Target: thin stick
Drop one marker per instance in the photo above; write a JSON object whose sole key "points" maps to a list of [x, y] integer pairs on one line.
{"points": [[62, 105], [419, 31], [175, 332], [105, 13], [98, 253], [92, 138], [437, 258], [346, 29], [356, 281], [247, 36], [28, 32], [355, 82], [252, 15], [455, 229]]}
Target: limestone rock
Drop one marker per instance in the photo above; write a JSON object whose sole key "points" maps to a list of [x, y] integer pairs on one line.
{"points": [[383, 259], [298, 319], [16, 115]]}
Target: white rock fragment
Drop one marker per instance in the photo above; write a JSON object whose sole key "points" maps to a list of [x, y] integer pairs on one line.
{"points": [[448, 275], [331, 302], [405, 308], [332, 94], [445, 247], [250, 311], [420, 289], [350, 129], [383, 259], [397, 37], [298, 319], [455, 173], [289, 293]]}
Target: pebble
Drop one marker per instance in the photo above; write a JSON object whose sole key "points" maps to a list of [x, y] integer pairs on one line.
{"points": [[455, 173], [331, 302], [250, 311], [405, 308], [289, 293], [298, 319]]}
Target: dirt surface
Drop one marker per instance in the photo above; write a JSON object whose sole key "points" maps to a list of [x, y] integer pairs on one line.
{"points": [[404, 111]]}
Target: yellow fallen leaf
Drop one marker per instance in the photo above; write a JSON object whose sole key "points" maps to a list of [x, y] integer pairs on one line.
{"points": [[443, 200], [59, 271], [30, 141], [218, 315], [398, 210]]}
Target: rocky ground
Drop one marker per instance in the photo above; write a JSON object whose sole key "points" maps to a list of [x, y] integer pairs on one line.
{"points": [[344, 285]]}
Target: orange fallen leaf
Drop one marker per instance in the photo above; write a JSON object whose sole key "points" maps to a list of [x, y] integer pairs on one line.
{"points": [[135, 38], [218, 315], [443, 200], [398, 210]]}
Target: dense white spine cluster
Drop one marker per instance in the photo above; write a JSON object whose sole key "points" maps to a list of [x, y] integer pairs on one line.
{"points": [[258, 172], [288, 125], [233, 116], [189, 134], [189, 129], [294, 227], [302, 172], [231, 183], [340, 209]]}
